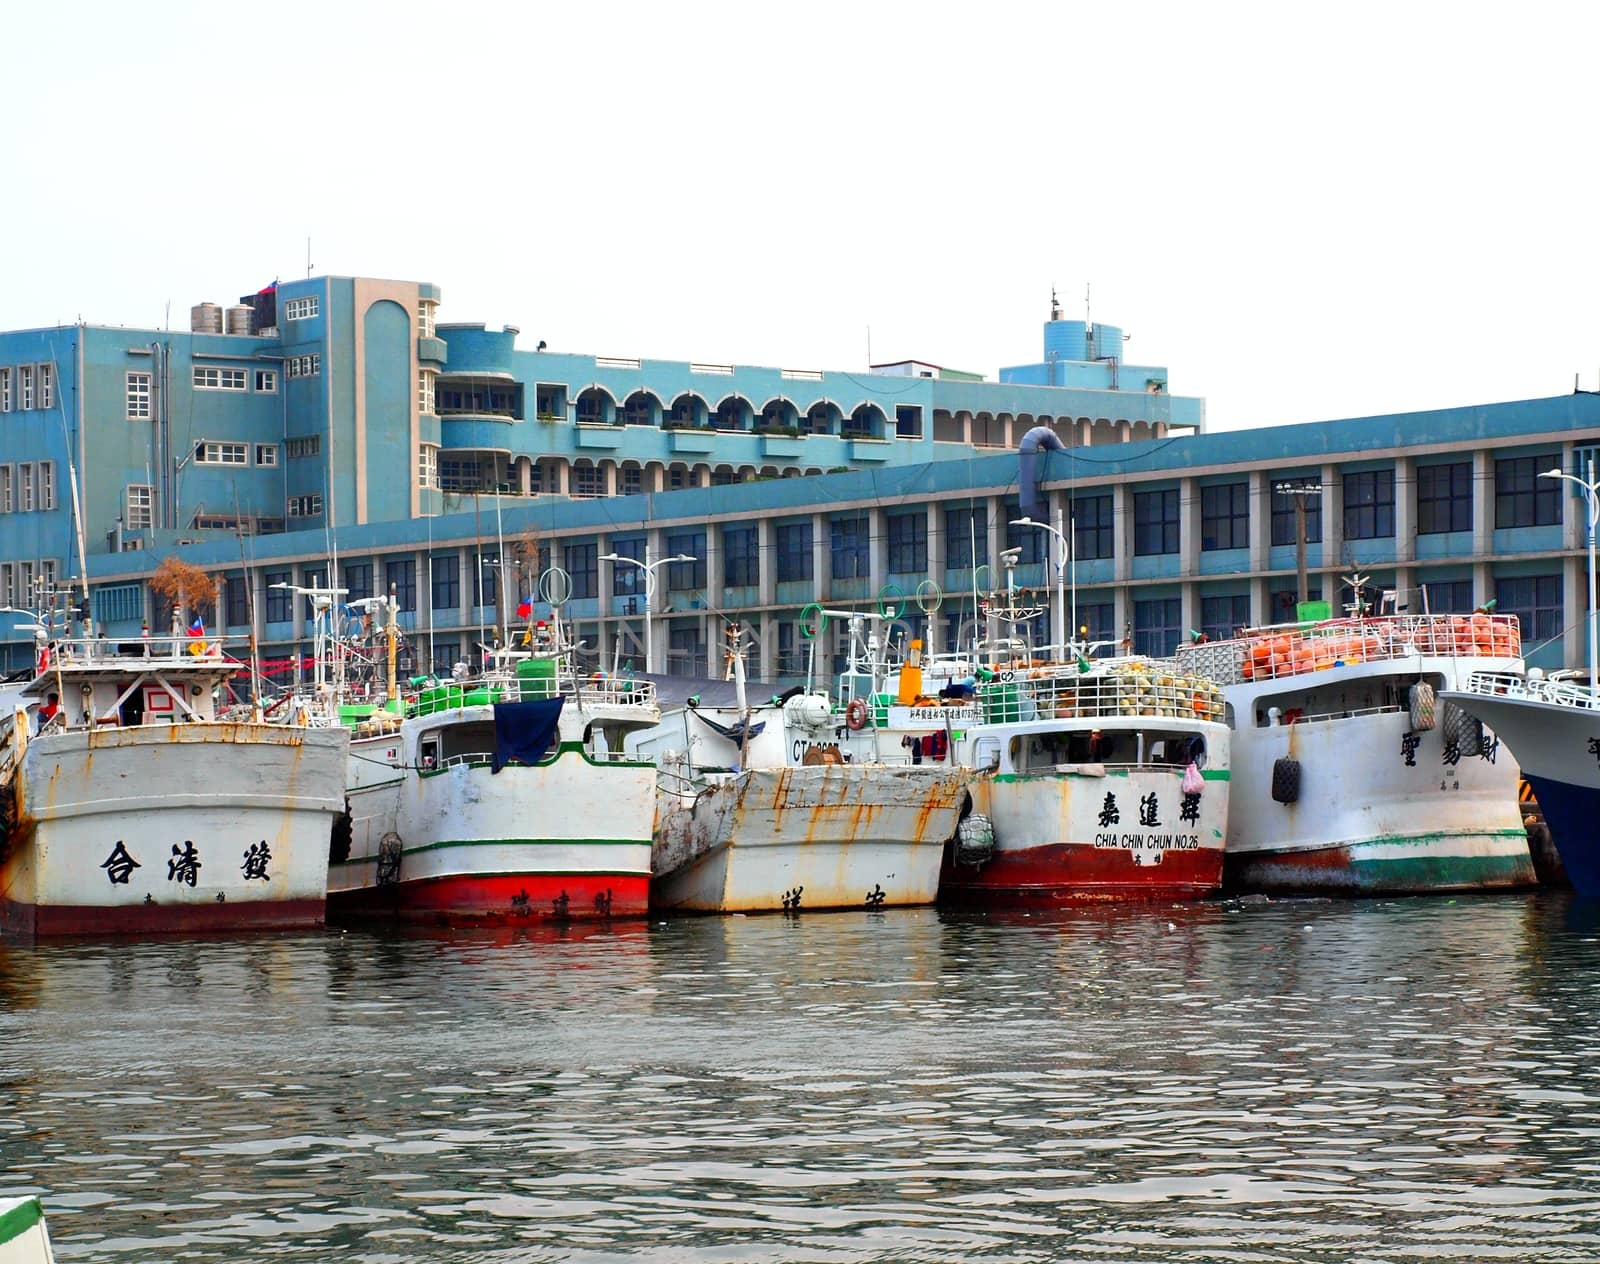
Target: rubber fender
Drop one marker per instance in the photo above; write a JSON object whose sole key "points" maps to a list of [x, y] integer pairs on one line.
{"points": [[974, 840], [1285, 780]]}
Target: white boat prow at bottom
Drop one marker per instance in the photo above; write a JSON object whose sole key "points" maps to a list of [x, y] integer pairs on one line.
{"points": [[23, 1237]]}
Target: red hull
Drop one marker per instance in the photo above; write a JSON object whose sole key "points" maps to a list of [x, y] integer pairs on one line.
{"points": [[48, 920], [1075, 873], [500, 899]]}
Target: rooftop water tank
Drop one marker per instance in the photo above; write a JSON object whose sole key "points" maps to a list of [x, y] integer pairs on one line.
{"points": [[1066, 340], [205, 318], [239, 319]]}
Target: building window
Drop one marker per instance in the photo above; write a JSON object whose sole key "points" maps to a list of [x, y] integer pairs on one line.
{"points": [[218, 379], [1155, 523], [908, 543], [686, 655], [1282, 602], [1225, 517], [793, 540], [266, 454], [550, 402], [357, 581], [1283, 517], [445, 656], [427, 465], [25, 487], [140, 501], [587, 482], [1522, 498], [851, 556], [5, 390], [7, 502], [1156, 626], [25, 584], [138, 396], [1097, 621], [306, 445], [1535, 600], [8, 584], [400, 575], [1448, 596], [1368, 505], [424, 319], [46, 387], [303, 365], [266, 381], [305, 506], [222, 453], [682, 576], [301, 308], [279, 600], [1222, 617], [446, 573], [25, 386], [47, 484], [121, 604], [908, 421], [630, 480], [581, 563], [1444, 498], [1093, 536], [1030, 543], [425, 394], [47, 577], [741, 557], [237, 603], [966, 538], [627, 581]]}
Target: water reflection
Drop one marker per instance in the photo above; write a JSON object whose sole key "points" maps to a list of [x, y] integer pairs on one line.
{"points": [[1229, 1081]]}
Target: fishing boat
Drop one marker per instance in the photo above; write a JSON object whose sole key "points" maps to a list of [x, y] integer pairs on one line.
{"points": [[760, 810], [1348, 775], [1552, 726], [1093, 778], [23, 1236], [144, 803], [497, 797]]}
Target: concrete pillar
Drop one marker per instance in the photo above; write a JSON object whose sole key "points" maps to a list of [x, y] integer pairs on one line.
{"points": [[1482, 508], [767, 559], [767, 662], [936, 565], [1260, 527], [821, 550], [1188, 527], [714, 566], [877, 550], [1122, 532], [995, 534], [1189, 610], [1405, 512], [1332, 532], [1260, 602]]}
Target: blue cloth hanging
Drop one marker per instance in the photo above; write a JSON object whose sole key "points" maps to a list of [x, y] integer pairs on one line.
{"points": [[523, 731]]}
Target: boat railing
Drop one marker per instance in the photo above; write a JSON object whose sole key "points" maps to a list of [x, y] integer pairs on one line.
{"points": [[1134, 688], [1274, 653], [1561, 693], [199, 651]]}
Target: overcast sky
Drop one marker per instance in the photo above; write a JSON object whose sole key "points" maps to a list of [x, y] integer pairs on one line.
{"points": [[1304, 211]]}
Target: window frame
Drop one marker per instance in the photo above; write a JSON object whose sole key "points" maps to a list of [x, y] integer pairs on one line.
{"points": [[1224, 526], [1366, 518], [138, 395], [1453, 503], [1541, 497], [1157, 523], [306, 307]]}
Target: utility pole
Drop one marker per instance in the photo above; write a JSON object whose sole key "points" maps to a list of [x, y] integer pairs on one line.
{"points": [[1299, 488]]}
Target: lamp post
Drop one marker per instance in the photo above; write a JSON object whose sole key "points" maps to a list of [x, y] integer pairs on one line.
{"points": [[649, 568], [1591, 493], [1067, 633], [1300, 488]]}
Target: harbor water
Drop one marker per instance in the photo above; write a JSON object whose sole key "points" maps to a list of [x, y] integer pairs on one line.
{"points": [[1249, 1081]]}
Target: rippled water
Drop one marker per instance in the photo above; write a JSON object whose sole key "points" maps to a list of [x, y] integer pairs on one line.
{"points": [[1287, 1081]]}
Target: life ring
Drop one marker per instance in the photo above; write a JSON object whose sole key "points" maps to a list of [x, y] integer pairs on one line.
{"points": [[855, 715]]}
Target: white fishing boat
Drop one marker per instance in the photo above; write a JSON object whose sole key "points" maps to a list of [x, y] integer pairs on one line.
{"points": [[23, 1236], [1092, 778], [499, 797], [759, 810], [139, 806], [1348, 776]]}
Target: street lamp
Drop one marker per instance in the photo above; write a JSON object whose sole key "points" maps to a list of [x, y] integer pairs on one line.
{"points": [[1300, 488], [1591, 493], [649, 569], [1063, 629]]}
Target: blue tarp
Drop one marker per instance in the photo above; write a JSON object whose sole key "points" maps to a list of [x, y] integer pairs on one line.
{"points": [[523, 731]]}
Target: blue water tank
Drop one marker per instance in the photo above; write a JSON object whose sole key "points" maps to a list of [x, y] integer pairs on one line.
{"points": [[1107, 342], [1065, 340]]}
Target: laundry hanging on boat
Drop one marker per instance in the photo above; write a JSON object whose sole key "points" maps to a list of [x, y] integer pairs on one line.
{"points": [[734, 732], [523, 731]]}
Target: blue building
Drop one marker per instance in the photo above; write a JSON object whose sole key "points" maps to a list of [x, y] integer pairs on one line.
{"points": [[335, 429]]}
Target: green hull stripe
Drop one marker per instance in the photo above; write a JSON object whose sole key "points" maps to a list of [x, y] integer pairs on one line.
{"points": [[1282, 870], [565, 748], [507, 842], [21, 1218]]}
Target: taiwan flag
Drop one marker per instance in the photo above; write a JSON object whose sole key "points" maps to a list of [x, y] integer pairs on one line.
{"points": [[198, 627], [525, 608]]}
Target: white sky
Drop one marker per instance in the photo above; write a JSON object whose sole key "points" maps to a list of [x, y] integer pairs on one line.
{"points": [[1305, 211]]}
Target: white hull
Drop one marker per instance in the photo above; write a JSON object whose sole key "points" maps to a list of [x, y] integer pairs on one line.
{"points": [[815, 837], [159, 827]]}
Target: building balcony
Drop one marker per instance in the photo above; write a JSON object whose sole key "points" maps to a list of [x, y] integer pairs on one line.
{"points": [[782, 445], [870, 449], [433, 351], [598, 435], [698, 439]]}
